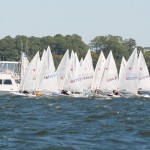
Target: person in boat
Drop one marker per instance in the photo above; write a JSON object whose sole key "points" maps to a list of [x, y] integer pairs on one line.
{"points": [[140, 91], [115, 92], [64, 92], [38, 93], [25, 92], [97, 91]]}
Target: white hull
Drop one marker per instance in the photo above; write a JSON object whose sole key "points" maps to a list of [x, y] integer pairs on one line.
{"points": [[127, 95], [79, 95], [7, 84], [146, 96], [22, 94], [18, 93]]}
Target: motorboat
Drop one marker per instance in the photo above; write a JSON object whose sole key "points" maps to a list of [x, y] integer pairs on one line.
{"points": [[9, 77]]}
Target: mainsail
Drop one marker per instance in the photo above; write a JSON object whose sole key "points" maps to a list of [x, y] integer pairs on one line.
{"points": [[28, 81], [99, 69], [128, 79], [62, 69], [47, 78], [143, 74], [110, 75], [73, 78], [87, 72]]}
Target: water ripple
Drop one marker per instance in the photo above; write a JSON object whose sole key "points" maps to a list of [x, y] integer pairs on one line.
{"points": [[74, 123]]}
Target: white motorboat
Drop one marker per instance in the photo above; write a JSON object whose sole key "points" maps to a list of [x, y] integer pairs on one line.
{"points": [[9, 78]]}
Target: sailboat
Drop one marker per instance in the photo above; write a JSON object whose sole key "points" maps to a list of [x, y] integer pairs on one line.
{"points": [[73, 78], [98, 73], [109, 79], [128, 82], [47, 82], [99, 69], [28, 81], [87, 72], [143, 76], [62, 70]]}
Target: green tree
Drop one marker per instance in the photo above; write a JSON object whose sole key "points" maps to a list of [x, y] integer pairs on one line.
{"points": [[118, 46]]}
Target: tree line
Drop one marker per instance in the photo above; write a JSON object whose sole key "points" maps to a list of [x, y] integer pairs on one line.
{"points": [[11, 48]]}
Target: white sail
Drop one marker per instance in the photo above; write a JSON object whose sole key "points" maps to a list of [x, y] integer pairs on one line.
{"points": [[29, 79], [128, 79], [62, 69], [122, 66], [40, 70], [73, 78], [42, 60], [48, 79], [81, 61], [110, 75], [24, 64], [143, 74], [72, 55], [87, 71], [99, 69]]}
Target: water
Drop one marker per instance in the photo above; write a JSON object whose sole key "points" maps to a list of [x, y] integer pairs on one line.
{"points": [[64, 123]]}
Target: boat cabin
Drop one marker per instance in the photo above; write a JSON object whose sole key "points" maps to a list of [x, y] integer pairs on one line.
{"points": [[9, 76]]}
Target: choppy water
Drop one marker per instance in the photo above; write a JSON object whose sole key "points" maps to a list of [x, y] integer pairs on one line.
{"points": [[64, 123]]}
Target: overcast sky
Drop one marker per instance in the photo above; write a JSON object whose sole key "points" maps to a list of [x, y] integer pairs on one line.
{"points": [[87, 18]]}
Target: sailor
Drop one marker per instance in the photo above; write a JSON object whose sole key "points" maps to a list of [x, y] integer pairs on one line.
{"points": [[64, 92], [25, 92], [38, 93], [115, 92]]}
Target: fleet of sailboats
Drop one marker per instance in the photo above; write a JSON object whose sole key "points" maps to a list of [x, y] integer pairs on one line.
{"points": [[79, 78]]}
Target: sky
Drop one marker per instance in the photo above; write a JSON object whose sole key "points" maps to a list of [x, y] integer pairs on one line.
{"points": [[87, 18]]}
